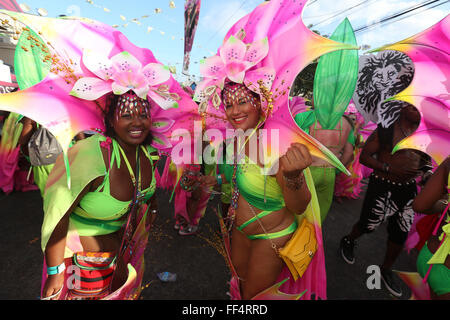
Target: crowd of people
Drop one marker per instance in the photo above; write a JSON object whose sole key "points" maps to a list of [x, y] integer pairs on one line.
{"points": [[97, 227]]}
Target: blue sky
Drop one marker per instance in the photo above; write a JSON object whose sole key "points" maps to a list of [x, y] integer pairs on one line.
{"points": [[165, 36]]}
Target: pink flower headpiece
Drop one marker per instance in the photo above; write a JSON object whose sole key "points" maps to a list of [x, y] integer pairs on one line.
{"points": [[237, 62], [122, 73]]}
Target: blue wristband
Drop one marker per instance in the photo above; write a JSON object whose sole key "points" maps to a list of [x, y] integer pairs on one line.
{"points": [[56, 270], [219, 179]]}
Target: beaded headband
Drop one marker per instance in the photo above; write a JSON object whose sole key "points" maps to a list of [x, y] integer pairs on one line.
{"points": [[130, 103], [236, 93]]}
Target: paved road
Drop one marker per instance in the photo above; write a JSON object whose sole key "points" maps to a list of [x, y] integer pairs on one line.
{"points": [[201, 270]]}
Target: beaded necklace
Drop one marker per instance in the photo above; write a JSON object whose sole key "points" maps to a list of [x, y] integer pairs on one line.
{"points": [[234, 199], [235, 194]]}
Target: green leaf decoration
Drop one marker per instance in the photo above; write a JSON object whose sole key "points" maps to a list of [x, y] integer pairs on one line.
{"points": [[335, 78], [32, 60]]}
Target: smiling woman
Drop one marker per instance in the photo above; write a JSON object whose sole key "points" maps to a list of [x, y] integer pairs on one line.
{"points": [[241, 106], [109, 207], [98, 204], [245, 87], [131, 118]]}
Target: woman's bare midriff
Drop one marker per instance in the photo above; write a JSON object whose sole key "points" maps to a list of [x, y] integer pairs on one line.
{"points": [[103, 243], [274, 222]]}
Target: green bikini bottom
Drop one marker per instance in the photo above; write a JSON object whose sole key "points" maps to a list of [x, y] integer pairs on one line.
{"points": [[266, 236], [439, 277]]}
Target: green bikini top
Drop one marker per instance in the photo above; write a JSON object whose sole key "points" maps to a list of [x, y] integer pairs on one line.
{"points": [[99, 212], [260, 190]]}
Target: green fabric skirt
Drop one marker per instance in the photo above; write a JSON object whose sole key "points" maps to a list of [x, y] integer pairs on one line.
{"points": [[324, 179], [439, 277]]}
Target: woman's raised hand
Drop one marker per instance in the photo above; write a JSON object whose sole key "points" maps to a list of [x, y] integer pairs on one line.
{"points": [[296, 158]]}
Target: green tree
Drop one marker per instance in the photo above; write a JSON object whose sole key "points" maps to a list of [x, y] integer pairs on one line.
{"points": [[303, 83]]}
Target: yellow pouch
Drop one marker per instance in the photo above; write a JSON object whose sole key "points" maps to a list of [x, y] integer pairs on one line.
{"points": [[300, 249]]}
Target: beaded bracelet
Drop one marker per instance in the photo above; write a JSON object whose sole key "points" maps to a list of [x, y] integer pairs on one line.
{"points": [[56, 270]]}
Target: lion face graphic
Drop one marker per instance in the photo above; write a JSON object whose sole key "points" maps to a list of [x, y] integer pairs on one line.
{"points": [[383, 78], [380, 77]]}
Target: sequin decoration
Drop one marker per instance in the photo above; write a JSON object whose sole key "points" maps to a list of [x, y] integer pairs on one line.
{"points": [[130, 103], [237, 94]]}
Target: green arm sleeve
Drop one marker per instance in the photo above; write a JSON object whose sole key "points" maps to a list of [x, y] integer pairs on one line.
{"points": [[305, 120]]}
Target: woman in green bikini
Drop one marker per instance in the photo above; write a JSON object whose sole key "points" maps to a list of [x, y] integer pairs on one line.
{"points": [[114, 167], [246, 86], [433, 262], [264, 206], [97, 198], [286, 195]]}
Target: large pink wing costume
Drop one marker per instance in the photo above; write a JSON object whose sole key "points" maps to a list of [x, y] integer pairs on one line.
{"points": [[50, 103], [292, 47], [429, 89]]}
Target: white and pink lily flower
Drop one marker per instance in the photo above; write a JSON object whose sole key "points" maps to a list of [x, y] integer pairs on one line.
{"points": [[235, 58], [120, 74]]}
